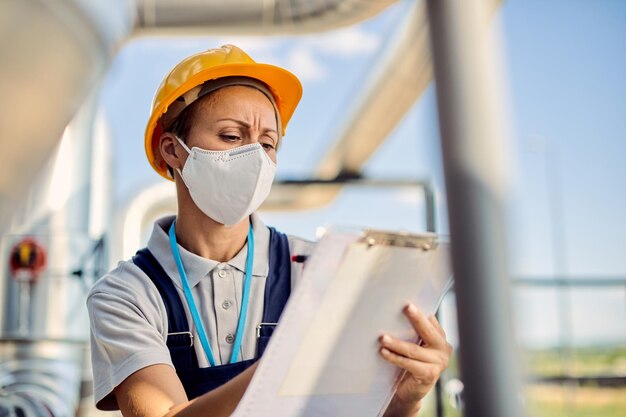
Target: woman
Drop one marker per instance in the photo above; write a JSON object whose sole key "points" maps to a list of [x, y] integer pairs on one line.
{"points": [[174, 330]]}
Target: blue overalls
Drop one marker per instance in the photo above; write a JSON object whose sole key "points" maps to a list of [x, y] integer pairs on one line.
{"points": [[195, 380]]}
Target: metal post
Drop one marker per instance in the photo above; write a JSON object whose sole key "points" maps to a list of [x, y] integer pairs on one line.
{"points": [[438, 386], [473, 156], [431, 211]]}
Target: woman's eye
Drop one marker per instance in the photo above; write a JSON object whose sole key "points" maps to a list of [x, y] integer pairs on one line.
{"points": [[230, 138], [268, 146]]}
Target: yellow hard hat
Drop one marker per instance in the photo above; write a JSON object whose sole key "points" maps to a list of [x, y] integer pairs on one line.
{"points": [[227, 61]]}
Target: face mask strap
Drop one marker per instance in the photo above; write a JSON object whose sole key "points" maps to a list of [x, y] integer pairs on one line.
{"points": [[183, 144], [180, 173]]}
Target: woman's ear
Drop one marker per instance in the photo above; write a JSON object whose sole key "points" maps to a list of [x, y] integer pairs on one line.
{"points": [[168, 145]]}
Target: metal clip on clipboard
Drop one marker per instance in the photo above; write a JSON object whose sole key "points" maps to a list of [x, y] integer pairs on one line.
{"points": [[424, 241]]}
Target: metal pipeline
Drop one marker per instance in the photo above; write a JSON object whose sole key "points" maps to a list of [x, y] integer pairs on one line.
{"points": [[44, 329], [267, 17], [35, 376]]}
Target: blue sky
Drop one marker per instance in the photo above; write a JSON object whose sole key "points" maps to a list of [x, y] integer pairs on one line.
{"points": [[568, 81], [566, 71]]}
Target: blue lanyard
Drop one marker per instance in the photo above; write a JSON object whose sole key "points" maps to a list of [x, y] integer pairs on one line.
{"points": [[192, 304]]}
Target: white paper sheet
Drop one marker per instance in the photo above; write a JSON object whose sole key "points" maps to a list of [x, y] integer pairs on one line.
{"points": [[323, 357]]}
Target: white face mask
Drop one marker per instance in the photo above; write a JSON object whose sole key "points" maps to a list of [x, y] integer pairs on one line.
{"points": [[228, 185]]}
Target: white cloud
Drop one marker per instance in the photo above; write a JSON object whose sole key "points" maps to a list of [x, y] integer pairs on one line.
{"points": [[346, 42], [350, 41], [306, 56], [248, 43], [258, 47], [302, 62], [296, 56]]}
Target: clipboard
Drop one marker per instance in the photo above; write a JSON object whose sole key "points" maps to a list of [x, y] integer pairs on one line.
{"points": [[323, 358]]}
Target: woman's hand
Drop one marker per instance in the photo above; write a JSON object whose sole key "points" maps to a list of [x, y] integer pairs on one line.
{"points": [[423, 362]]}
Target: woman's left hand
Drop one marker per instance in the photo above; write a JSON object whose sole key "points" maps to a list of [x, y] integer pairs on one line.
{"points": [[424, 362]]}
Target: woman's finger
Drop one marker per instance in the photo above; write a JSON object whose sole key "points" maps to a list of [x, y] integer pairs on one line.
{"points": [[435, 322], [424, 328], [426, 373], [414, 351]]}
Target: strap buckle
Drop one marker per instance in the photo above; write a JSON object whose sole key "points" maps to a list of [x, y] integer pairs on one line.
{"points": [[261, 325], [179, 333]]}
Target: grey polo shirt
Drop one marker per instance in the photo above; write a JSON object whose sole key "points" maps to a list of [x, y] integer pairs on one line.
{"points": [[129, 321]]}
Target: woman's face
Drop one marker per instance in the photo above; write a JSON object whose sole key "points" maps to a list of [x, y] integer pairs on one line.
{"points": [[234, 116]]}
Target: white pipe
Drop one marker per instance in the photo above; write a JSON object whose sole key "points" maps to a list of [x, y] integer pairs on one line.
{"points": [[267, 17], [45, 328], [137, 218]]}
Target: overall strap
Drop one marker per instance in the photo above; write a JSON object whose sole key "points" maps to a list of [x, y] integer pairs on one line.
{"points": [[179, 337], [277, 288], [278, 284]]}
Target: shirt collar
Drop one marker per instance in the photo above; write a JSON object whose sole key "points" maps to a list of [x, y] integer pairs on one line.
{"points": [[197, 267], [261, 250]]}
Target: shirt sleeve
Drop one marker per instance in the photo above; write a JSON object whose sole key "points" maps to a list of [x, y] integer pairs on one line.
{"points": [[128, 330]]}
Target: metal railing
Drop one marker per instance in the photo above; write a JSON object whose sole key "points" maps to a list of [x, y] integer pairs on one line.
{"points": [[594, 380]]}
